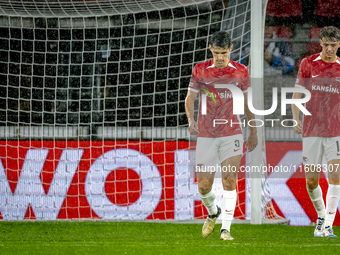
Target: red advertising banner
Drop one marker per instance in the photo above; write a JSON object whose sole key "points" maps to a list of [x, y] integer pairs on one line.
{"points": [[48, 180]]}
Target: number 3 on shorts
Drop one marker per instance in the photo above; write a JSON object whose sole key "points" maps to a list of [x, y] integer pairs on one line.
{"points": [[237, 143]]}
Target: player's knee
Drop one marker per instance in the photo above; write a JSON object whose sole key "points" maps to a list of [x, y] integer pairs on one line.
{"points": [[334, 181], [312, 183], [204, 190], [229, 183], [204, 186]]}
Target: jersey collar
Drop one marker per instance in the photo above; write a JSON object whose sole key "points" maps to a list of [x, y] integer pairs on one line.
{"points": [[229, 64], [319, 58]]}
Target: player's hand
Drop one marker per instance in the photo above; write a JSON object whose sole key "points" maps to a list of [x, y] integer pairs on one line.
{"points": [[252, 141], [298, 128], [193, 127]]}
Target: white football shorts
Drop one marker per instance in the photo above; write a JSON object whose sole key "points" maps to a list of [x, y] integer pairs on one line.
{"points": [[314, 148], [213, 151]]}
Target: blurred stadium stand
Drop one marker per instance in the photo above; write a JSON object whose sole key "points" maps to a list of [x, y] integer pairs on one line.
{"points": [[284, 8]]}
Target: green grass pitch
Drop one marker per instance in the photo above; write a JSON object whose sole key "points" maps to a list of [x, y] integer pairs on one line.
{"points": [[63, 237]]}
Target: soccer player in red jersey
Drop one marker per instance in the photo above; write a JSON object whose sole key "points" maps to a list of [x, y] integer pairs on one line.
{"points": [[219, 143], [320, 74]]}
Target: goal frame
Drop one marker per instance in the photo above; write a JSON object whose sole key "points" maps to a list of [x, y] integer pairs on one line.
{"points": [[256, 73], [258, 10]]}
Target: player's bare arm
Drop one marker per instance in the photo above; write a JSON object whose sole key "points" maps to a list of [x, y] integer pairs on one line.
{"points": [[189, 109], [296, 115], [252, 139]]}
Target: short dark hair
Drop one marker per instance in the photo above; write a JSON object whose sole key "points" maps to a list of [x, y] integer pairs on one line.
{"points": [[331, 33], [220, 39]]}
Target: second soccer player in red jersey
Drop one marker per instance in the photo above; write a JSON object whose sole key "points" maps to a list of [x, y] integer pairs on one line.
{"points": [[218, 130], [320, 74]]}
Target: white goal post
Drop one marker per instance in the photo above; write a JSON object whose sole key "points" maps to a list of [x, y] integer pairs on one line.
{"points": [[258, 9]]}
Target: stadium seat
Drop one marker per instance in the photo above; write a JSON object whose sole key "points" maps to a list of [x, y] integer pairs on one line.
{"points": [[284, 8], [278, 55], [314, 47], [283, 32], [328, 8]]}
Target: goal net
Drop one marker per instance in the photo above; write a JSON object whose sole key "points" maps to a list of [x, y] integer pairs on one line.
{"points": [[92, 119]]}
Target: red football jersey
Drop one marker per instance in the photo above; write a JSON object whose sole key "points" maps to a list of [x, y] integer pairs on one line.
{"points": [[322, 79], [205, 77]]}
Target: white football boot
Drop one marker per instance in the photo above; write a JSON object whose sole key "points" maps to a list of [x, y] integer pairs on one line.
{"points": [[320, 222]]}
